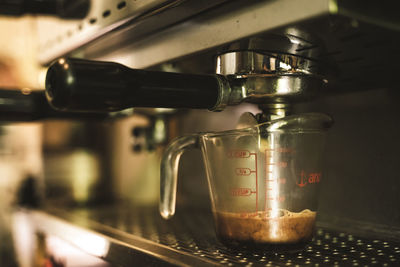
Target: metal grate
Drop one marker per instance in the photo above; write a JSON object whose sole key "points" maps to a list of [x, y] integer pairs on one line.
{"points": [[327, 248], [192, 232]]}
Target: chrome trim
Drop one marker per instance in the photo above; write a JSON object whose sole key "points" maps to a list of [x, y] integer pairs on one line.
{"points": [[251, 63], [224, 95], [263, 78]]}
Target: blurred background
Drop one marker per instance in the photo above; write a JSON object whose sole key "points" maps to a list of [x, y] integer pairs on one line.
{"points": [[83, 163], [20, 144]]}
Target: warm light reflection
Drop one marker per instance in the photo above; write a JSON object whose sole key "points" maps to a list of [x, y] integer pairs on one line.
{"points": [[90, 243], [244, 91], [293, 39], [219, 65], [272, 61], [26, 91], [84, 169], [70, 79], [24, 239], [274, 187], [159, 130], [69, 254], [41, 78], [284, 66], [87, 241], [283, 86], [271, 198]]}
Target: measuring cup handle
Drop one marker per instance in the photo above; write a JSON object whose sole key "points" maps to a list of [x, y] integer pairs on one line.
{"points": [[169, 172]]}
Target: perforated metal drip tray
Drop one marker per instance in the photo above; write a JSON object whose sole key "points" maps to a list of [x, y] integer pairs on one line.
{"points": [[189, 239]]}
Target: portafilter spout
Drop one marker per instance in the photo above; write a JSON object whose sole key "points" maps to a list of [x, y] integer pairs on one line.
{"points": [[273, 81]]}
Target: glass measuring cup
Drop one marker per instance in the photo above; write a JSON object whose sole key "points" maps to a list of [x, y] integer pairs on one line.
{"points": [[262, 180]]}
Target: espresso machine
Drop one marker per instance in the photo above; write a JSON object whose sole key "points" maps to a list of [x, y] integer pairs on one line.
{"points": [[150, 72]]}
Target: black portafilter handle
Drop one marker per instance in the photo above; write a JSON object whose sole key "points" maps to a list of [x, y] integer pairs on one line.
{"points": [[66, 9], [84, 85]]}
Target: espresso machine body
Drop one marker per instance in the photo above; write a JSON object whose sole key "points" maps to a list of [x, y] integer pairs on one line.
{"points": [[340, 57]]}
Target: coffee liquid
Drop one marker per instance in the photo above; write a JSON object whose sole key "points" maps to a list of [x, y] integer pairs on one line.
{"points": [[289, 231]]}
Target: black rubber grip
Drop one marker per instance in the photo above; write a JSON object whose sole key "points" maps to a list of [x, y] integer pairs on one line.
{"points": [[83, 85]]}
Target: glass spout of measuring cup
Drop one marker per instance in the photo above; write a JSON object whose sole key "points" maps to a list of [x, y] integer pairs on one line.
{"points": [[262, 180]]}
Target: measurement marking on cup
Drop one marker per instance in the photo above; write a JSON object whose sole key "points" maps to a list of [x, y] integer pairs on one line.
{"points": [[240, 171], [273, 167], [278, 180], [255, 155], [268, 175], [281, 164], [241, 192], [277, 198], [239, 153], [243, 171]]}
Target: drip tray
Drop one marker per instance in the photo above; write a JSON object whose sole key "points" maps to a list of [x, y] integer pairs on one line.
{"points": [[139, 234], [328, 248]]}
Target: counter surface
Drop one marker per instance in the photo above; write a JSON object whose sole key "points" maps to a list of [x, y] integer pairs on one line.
{"points": [[126, 236]]}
